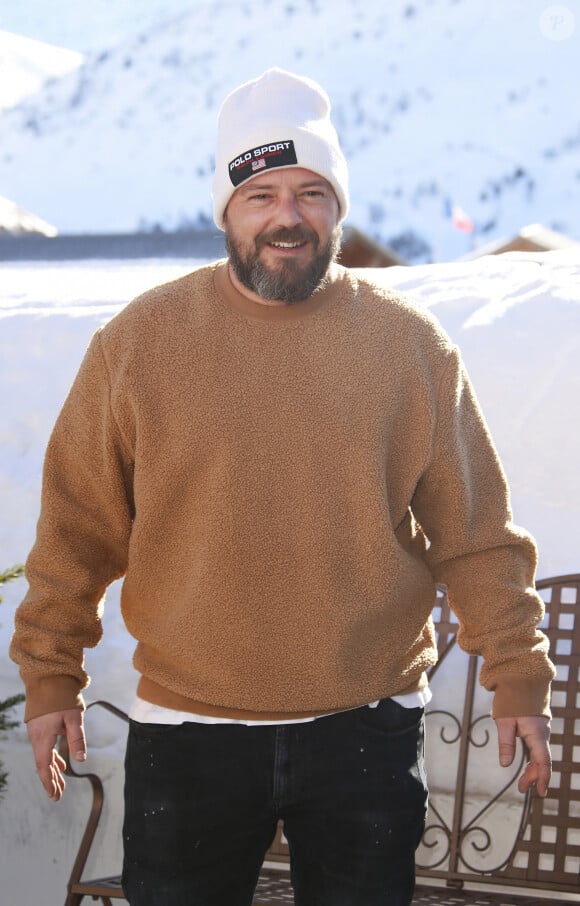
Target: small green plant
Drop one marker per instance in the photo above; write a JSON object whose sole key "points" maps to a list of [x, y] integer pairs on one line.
{"points": [[8, 704], [13, 573]]}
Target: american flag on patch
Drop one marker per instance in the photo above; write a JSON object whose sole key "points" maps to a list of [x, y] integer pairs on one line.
{"points": [[258, 164]]}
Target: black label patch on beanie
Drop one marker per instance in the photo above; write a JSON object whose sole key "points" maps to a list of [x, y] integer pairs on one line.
{"points": [[265, 157]]}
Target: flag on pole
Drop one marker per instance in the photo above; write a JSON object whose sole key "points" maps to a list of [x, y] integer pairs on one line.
{"points": [[460, 220]]}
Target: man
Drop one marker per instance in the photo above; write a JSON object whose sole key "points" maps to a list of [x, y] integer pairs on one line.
{"points": [[282, 460]]}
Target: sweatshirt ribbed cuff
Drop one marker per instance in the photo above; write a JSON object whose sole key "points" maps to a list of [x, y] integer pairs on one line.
{"points": [[521, 696], [51, 693]]}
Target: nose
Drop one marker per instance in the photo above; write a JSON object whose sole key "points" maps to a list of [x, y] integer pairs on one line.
{"points": [[287, 210]]}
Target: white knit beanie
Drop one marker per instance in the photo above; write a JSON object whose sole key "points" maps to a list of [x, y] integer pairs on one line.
{"points": [[276, 120]]}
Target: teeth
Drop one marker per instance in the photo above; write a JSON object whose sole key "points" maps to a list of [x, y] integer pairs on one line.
{"points": [[287, 245]]}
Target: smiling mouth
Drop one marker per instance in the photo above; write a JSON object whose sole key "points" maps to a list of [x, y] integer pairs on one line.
{"points": [[287, 245]]}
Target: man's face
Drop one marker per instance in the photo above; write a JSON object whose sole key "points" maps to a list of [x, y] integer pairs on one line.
{"points": [[282, 232]]}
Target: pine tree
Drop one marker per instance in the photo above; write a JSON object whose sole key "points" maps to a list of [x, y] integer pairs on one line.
{"points": [[9, 703]]}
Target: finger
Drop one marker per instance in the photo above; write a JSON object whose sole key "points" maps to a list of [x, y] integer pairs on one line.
{"points": [[544, 772], [534, 777], [528, 778], [507, 751], [51, 777], [537, 775], [49, 782], [58, 782], [59, 761], [506, 737], [540, 760], [75, 735], [43, 757], [78, 748], [543, 781]]}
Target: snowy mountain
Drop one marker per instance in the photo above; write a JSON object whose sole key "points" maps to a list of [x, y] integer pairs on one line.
{"points": [[26, 65], [87, 25], [16, 221], [435, 101]]}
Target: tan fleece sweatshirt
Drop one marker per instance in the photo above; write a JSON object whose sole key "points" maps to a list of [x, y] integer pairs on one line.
{"points": [[281, 488]]}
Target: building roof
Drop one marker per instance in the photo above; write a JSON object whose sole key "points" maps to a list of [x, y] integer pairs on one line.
{"points": [[531, 238], [359, 250]]}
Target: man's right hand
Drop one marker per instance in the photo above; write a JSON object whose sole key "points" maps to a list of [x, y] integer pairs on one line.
{"points": [[43, 733]]}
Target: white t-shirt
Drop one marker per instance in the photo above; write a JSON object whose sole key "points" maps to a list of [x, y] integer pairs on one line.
{"points": [[145, 712]]}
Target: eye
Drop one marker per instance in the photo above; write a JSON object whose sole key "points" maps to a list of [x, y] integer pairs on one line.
{"points": [[315, 193]]}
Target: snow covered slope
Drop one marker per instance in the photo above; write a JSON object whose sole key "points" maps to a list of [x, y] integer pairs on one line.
{"points": [[86, 25], [433, 99], [26, 65]]}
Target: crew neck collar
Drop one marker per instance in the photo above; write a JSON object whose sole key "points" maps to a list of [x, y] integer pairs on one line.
{"points": [[290, 312]]}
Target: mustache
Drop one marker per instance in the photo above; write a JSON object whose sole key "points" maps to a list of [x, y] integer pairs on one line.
{"points": [[293, 234]]}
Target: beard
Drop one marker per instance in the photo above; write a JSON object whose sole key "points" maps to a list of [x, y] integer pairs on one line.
{"points": [[290, 281]]}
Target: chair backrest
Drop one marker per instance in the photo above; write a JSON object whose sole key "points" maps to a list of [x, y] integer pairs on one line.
{"points": [[549, 852], [462, 839], [462, 842]]}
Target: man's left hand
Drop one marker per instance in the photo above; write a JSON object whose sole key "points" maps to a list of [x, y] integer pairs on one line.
{"points": [[535, 732]]}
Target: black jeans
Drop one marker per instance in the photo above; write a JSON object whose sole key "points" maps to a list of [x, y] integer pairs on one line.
{"points": [[202, 803]]}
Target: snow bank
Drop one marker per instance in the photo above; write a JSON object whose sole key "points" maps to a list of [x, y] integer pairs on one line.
{"points": [[516, 319]]}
